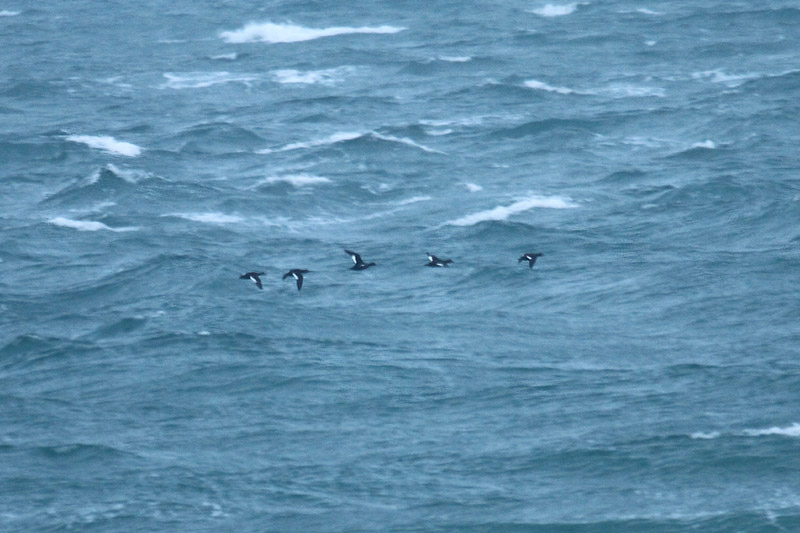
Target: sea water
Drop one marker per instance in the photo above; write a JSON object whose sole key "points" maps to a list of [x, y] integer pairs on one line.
{"points": [[642, 376]]}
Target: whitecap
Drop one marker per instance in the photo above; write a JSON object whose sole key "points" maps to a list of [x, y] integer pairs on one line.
{"points": [[473, 187], [468, 121], [99, 207], [790, 431], [200, 80], [648, 142], [333, 139], [503, 212], [209, 218], [708, 144], [455, 59], [216, 509], [534, 84], [6, 13], [131, 176], [439, 133], [107, 143], [85, 225], [296, 180], [93, 178], [270, 32], [116, 82], [233, 56], [347, 136], [629, 91], [552, 10], [408, 142], [322, 77], [645, 11], [720, 76], [413, 200], [705, 436]]}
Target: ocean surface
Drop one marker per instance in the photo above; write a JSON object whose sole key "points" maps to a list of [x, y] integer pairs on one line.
{"points": [[643, 376]]}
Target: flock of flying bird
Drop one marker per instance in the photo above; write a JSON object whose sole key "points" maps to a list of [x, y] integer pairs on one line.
{"points": [[359, 264]]}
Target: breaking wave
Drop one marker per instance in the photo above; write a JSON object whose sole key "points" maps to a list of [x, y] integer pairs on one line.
{"points": [[502, 212], [107, 143], [269, 32]]}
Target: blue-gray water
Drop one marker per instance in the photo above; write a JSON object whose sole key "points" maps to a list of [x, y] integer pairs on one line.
{"points": [[644, 376]]}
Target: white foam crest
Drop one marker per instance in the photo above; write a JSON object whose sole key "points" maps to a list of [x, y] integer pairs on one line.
{"points": [[553, 10], [116, 81], [270, 32], [468, 121], [226, 57], [98, 207], [455, 59], [322, 77], [6, 13], [504, 211], [708, 144], [108, 144], [200, 80], [131, 176], [790, 431], [439, 133], [209, 218], [86, 225], [413, 200], [649, 142], [296, 180], [705, 436], [333, 139], [535, 84], [719, 76], [347, 136], [93, 178], [473, 187], [645, 11], [628, 91], [409, 142]]}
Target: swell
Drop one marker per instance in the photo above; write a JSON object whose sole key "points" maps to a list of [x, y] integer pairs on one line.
{"points": [[123, 189], [721, 522], [32, 351], [355, 143], [106, 183], [154, 277], [72, 455], [32, 151], [213, 138], [552, 126]]}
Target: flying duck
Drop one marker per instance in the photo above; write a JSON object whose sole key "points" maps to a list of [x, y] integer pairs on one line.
{"points": [[530, 258], [296, 273], [254, 277], [359, 263], [436, 262]]}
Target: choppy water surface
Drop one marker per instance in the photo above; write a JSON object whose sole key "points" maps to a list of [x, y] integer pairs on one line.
{"points": [[643, 376]]}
